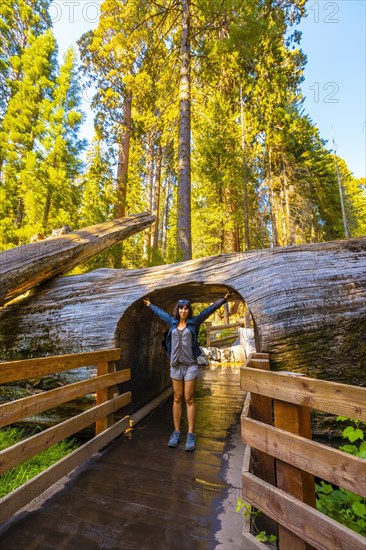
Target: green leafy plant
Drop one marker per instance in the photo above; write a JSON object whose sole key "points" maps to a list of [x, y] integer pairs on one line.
{"points": [[247, 510], [340, 504], [263, 537]]}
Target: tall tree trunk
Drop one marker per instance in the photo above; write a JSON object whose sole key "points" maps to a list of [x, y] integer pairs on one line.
{"points": [[273, 215], [123, 157], [47, 207], [245, 183], [165, 223], [184, 237], [20, 213], [156, 201], [149, 197], [346, 232], [272, 207]]}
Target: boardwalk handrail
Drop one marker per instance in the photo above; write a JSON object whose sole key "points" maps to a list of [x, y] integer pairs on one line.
{"points": [[218, 328], [102, 415], [288, 454]]}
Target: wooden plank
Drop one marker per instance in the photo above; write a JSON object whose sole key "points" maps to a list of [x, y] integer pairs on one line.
{"points": [[335, 466], [22, 408], [20, 452], [246, 467], [258, 363], [208, 333], [247, 460], [262, 464], [104, 394], [294, 481], [217, 328], [23, 267], [218, 341], [21, 496], [332, 397], [32, 368], [307, 523], [17, 499], [251, 543], [261, 409]]}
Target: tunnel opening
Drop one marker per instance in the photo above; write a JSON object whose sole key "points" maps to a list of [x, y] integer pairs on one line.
{"points": [[140, 337]]}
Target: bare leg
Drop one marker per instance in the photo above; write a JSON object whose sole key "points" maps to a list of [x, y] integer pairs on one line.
{"points": [[177, 402], [189, 389]]}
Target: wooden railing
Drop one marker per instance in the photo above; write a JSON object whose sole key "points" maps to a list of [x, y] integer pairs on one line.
{"points": [[102, 414], [211, 329], [281, 460]]}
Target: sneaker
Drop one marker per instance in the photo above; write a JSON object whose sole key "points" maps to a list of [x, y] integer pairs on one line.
{"points": [[174, 439], [191, 442]]}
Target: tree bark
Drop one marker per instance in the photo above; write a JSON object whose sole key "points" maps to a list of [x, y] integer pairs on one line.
{"points": [[123, 157], [308, 305], [156, 203], [149, 198], [245, 182], [47, 209], [23, 267], [165, 223], [184, 238]]}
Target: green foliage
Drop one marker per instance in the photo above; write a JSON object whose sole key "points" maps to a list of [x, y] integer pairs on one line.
{"points": [[261, 174], [263, 537], [40, 159], [20, 22], [247, 510], [344, 506], [15, 477]]}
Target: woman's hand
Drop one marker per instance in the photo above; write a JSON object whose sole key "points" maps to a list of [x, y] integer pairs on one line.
{"points": [[147, 302], [227, 296]]}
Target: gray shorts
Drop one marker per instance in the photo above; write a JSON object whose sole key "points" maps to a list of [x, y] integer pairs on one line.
{"points": [[184, 372]]}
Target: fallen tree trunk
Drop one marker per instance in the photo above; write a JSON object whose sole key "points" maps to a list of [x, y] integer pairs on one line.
{"points": [[308, 305], [25, 266]]}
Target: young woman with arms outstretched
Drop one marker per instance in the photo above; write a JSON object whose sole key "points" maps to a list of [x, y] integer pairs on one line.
{"points": [[183, 350]]}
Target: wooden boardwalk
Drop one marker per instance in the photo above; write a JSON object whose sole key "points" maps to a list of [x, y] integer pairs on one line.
{"points": [[140, 495]]}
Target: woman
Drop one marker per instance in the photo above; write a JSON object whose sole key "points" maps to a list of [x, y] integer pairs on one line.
{"points": [[182, 350]]}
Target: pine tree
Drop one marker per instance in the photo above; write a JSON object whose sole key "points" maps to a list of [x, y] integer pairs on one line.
{"points": [[20, 20], [24, 128], [42, 148], [61, 164]]}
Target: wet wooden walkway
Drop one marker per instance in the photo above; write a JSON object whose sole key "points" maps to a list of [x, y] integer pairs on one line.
{"points": [[138, 494]]}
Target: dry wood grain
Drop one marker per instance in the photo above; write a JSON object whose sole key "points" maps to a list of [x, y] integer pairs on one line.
{"points": [[261, 409], [20, 452], [251, 543], [289, 478], [104, 394], [307, 523], [335, 466], [25, 266], [308, 304], [339, 399], [33, 368], [22, 408]]}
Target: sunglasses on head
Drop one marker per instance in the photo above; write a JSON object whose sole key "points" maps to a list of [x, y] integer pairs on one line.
{"points": [[185, 302]]}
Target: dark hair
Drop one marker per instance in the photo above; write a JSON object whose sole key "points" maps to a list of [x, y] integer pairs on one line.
{"points": [[182, 303]]}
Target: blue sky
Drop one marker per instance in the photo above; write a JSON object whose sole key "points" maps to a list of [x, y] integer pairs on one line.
{"points": [[333, 38]]}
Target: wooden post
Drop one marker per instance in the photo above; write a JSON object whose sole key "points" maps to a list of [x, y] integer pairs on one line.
{"points": [[261, 409], [104, 395], [294, 419], [263, 465], [208, 333], [226, 314]]}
